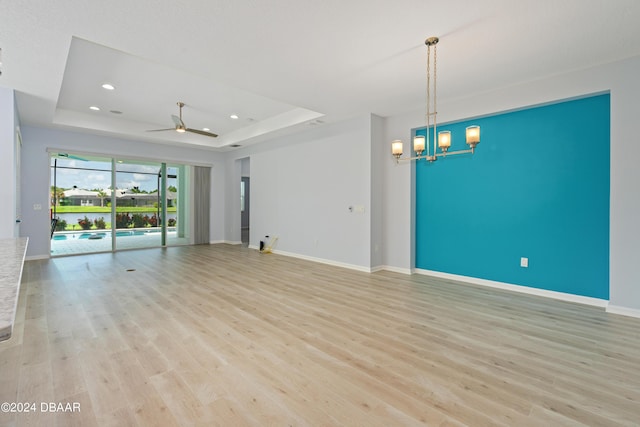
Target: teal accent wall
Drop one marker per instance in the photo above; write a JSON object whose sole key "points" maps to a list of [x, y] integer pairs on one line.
{"points": [[537, 187]]}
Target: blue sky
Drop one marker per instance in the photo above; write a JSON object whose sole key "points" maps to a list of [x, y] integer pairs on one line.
{"points": [[91, 175]]}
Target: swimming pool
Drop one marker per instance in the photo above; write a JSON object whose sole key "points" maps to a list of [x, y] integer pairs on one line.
{"points": [[97, 235], [81, 241]]}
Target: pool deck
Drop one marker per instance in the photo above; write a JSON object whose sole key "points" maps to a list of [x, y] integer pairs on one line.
{"points": [[79, 242]]}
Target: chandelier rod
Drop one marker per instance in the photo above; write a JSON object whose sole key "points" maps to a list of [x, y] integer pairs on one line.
{"points": [[431, 42]]}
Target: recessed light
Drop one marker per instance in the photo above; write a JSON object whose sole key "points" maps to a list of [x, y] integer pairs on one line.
{"points": [[234, 116], [108, 86], [94, 108]]}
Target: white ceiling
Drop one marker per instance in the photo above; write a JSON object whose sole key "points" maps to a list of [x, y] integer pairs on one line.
{"points": [[283, 65]]}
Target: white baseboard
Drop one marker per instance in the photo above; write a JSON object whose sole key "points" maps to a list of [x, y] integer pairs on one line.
{"points": [[396, 269], [228, 242], [36, 257], [322, 261], [579, 299], [624, 311]]}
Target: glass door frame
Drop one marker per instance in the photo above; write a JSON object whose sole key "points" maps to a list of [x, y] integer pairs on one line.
{"points": [[178, 196]]}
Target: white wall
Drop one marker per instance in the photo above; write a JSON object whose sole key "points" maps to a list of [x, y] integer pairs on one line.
{"points": [[302, 186], [36, 174], [245, 167], [8, 122], [233, 175], [621, 79], [398, 196], [625, 196]]}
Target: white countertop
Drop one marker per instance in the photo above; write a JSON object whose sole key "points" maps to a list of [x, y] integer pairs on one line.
{"points": [[12, 253]]}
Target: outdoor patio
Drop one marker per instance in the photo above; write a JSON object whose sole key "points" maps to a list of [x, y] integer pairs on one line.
{"points": [[77, 242]]}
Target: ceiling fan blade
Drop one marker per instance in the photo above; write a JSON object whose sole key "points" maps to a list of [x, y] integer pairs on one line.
{"points": [[202, 132], [177, 120], [180, 126]]}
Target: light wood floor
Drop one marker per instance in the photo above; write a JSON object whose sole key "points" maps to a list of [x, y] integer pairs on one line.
{"points": [[224, 335]]}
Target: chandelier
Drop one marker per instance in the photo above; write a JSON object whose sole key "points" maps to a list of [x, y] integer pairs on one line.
{"points": [[420, 145]]}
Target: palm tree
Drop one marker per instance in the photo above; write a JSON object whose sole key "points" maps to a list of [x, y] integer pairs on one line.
{"points": [[57, 194], [101, 195]]}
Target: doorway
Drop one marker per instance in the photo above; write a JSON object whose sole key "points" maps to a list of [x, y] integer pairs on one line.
{"points": [[245, 202], [244, 209]]}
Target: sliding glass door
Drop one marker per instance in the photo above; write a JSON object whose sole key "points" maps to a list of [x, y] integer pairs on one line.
{"points": [[138, 216], [178, 197], [80, 210], [102, 204]]}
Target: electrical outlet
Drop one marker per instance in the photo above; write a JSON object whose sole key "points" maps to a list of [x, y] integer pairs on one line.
{"points": [[524, 262]]}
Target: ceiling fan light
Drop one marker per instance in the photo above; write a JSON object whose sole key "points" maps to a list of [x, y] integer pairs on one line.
{"points": [[180, 130]]}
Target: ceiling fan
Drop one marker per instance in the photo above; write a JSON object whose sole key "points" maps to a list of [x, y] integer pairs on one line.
{"points": [[181, 127]]}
